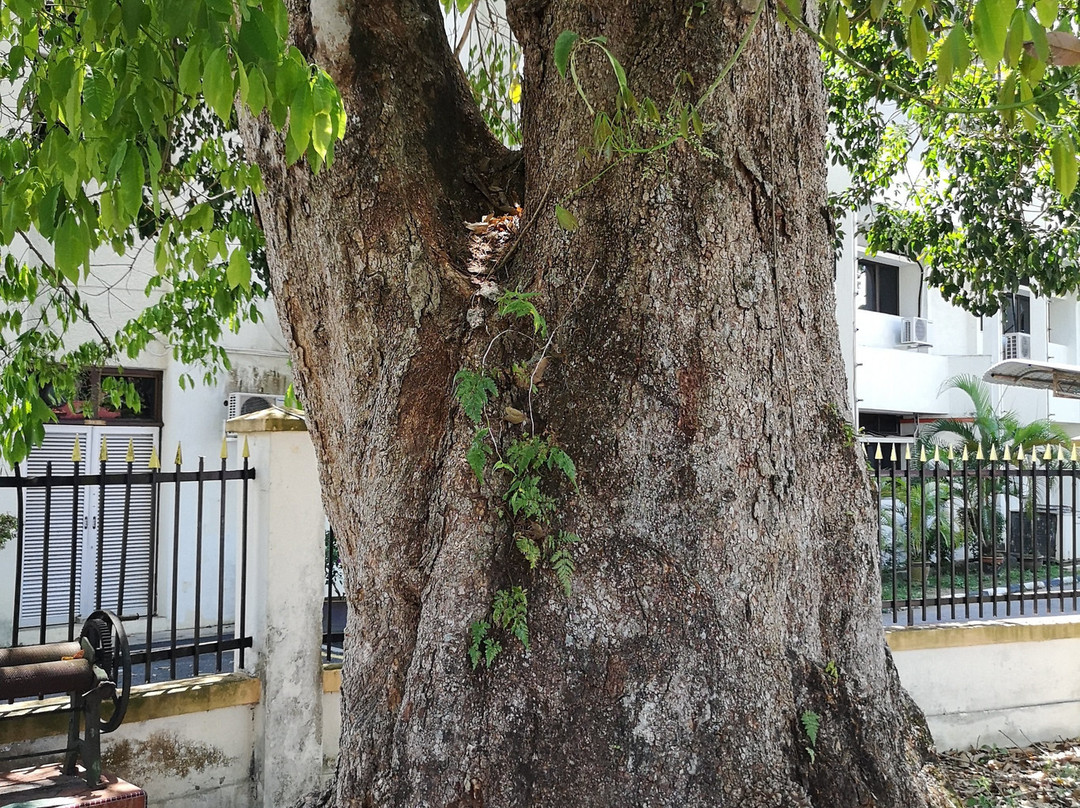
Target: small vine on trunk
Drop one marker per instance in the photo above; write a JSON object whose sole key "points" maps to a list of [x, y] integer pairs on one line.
{"points": [[534, 469]]}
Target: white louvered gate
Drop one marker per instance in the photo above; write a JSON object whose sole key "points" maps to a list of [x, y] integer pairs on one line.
{"points": [[94, 526]]}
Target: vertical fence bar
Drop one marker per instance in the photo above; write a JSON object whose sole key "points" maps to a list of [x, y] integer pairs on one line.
{"points": [[244, 554], [125, 528], [45, 555], [908, 537], [952, 541], [198, 562], [20, 546], [967, 539], [175, 565], [922, 532], [151, 584], [76, 459], [992, 539], [1072, 479], [102, 458], [1007, 561], [1051, 549], [329, 600], [1059, 534], [221, 557], [892, 498], [1025, 529], [936, 500]]}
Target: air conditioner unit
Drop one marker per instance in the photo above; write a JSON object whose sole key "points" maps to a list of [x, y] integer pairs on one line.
{"points": [[1016, 346], [914, 331], [243, 403]]}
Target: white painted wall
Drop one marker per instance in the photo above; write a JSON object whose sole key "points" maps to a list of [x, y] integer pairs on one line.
{"points": [[995, 689]]}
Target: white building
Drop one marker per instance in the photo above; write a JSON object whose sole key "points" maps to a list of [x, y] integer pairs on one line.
{"points": [[902, 341]]}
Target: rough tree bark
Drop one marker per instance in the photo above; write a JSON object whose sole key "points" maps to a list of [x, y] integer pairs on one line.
{"points": [[727, 555]]}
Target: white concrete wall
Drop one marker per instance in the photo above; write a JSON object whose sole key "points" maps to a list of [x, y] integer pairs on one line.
{"points": [[1004, 683]]}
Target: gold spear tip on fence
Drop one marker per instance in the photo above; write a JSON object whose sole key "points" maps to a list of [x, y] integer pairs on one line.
{"points": [[993, 453], [1019, 457], [1061, 454], [892, 454], [104, 454], [224, 449], [964, 456], [907, 452], [922, 454], [952, 453], [155, 462], [937, 453], [979, 453], [245, 454], [1072, 455], [131, 451], [76, 452], [877, 454], [1046, 453], [179, 455]]}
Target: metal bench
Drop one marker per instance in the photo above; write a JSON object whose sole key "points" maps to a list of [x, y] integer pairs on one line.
{"points": [[93, 671]]}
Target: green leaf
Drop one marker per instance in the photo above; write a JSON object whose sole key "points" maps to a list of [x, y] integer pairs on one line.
{"points": [[492, 648], [1038, 39], [528, 548], [71, 248], [566, 219], [190, 70], [843, 26], [479, 452], [960, 49], [562, 562], [473, 390], [1063, 159], [136, 14], [562, 461], [258, 37], [990, 28], [877, 8], [279, 17], [131, 184], [829, 30], [238, 272], [257, 91], [218, 84], [945, 62], [301, 117], [1047, 11], [564, 44], [97, 95], [1014, 41], [918, 38]]}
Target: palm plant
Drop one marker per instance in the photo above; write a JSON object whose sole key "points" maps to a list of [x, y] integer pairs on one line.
{"points": [[988, 428], [922, 518]]}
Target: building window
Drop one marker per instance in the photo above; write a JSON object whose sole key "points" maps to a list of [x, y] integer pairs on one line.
{"points": [[92, 404], [879, 287], [1016, 314]]}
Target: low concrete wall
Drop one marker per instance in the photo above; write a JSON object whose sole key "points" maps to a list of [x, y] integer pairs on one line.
{"points": [[190, 743], [1001, 683]]}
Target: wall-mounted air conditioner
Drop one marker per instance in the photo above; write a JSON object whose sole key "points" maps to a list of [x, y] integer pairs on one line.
{"points": [[243, 403], [914, 331], [1016, 346]]}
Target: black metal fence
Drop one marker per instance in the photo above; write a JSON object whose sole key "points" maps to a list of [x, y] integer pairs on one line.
{"points": [[975, 534], [135, 541], [334, 608]]}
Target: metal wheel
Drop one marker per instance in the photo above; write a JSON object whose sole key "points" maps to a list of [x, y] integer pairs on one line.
{"points": [[106, 635]]}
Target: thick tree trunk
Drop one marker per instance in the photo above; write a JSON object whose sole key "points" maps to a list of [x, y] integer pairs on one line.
{"points": [[726, 583]]}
